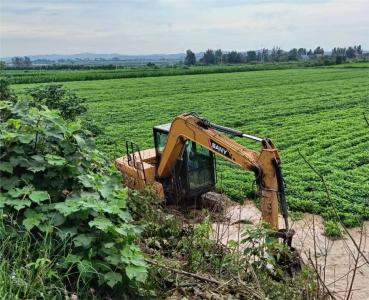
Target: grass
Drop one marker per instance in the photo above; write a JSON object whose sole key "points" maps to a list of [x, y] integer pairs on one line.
{"points": [[28, 270], [319, 111]]}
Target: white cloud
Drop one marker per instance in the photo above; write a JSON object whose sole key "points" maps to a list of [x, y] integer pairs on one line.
{"points": [[149, 26]]}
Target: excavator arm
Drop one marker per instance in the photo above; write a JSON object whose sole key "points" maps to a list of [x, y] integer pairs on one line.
{"points": [[265, 164]]}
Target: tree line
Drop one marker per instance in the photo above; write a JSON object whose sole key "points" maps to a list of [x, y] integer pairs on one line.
{"points": [[21, 62], [213, 57]]}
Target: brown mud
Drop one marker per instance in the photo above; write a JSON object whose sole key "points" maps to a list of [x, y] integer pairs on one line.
{"points": [[335, 257]]}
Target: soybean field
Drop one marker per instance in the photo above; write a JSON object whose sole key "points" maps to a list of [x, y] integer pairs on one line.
{"points": [[319, 112]]}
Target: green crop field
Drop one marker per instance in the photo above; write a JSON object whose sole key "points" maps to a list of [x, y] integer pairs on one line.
{"points": [[63, 75], [40, 76], [317, 111]]}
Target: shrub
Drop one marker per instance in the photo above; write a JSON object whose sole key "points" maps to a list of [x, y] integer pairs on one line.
{"points": [[332, 229], [55, 96], [55, 183], [5, 92]]}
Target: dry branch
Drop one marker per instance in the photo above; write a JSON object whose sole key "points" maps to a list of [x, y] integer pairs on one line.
{"points": [[319, 278]]}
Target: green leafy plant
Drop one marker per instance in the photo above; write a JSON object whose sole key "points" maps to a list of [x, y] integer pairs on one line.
{"points": [[5, 91], [55, 96], [332, 229], [55, 182], [263, 251]]}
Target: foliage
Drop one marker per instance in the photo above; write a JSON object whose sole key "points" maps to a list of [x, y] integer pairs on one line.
{"points": [[190, 58], [203, 252], [55, 96], [66, 74], [332, 229], [55, 183], [29, 266], [296, 215], [5, 91], [21, 62], [262, 251]]}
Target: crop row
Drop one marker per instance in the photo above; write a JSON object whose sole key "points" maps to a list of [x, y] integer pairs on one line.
{"points": [[40, 76], [318, 112]]}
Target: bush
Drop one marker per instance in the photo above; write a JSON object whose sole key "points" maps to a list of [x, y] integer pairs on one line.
{"points": [[5, 92], [56, 184], [55, 96], [332, 229]]}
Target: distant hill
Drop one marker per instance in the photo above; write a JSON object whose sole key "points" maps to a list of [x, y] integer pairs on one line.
{"points": [[103, 56]]}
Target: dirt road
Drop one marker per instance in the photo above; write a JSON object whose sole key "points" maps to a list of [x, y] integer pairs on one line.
{"points": [[335, 258]]}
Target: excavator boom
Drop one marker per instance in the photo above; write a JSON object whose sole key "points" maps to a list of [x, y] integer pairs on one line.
{"points": [[192, 127]]}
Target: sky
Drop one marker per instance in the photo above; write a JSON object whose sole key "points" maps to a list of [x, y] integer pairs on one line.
{"points": [[30, 27]]}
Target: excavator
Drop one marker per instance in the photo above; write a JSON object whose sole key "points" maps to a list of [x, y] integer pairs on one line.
{"points": [[182, 165]]}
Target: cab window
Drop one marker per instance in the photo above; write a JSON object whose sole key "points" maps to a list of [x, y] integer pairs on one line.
{"points": [[160, 141]]}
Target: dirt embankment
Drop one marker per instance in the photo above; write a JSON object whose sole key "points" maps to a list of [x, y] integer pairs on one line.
{"points": [[335, 258]]}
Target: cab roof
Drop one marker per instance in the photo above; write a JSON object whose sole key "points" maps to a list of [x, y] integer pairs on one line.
{"points": [[163, 127]]}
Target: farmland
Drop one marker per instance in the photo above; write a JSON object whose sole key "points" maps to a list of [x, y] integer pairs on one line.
{"points": [[316, 111], [42, 75]]}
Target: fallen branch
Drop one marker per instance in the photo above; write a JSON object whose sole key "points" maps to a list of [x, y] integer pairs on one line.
{"points": [[206, 279], [184, 272]]}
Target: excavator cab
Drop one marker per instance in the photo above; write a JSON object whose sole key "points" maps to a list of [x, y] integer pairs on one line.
{"points": [[195, 168]]}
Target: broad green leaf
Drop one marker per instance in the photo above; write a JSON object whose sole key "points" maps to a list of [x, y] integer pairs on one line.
{"points": [[39, 196], [3, 200], [109, 185], [125, 215], [14, 122], [101, 223], [26, 138], [128, 229], [38, 158], [68, 207], [6, 167], [138, 261], [83, 240], [36, 168], [55, 160], [113, 259], [57, 219], [86, 180], [66, 232], [72, 259], [109, 245], [19, 161], [32, 219], [17, 192], [18, 204], [135, 272], [80, 141], [9, 183], [37, 164], [112, 278]]}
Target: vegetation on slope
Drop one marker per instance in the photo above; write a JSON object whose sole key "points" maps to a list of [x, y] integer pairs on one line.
{"points": [[70, 206]]}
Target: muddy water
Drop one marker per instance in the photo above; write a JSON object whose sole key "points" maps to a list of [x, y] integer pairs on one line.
{"points": [[335, 258]]}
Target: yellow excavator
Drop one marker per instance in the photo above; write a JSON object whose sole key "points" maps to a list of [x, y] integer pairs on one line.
{"points": [[182, 165]]}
